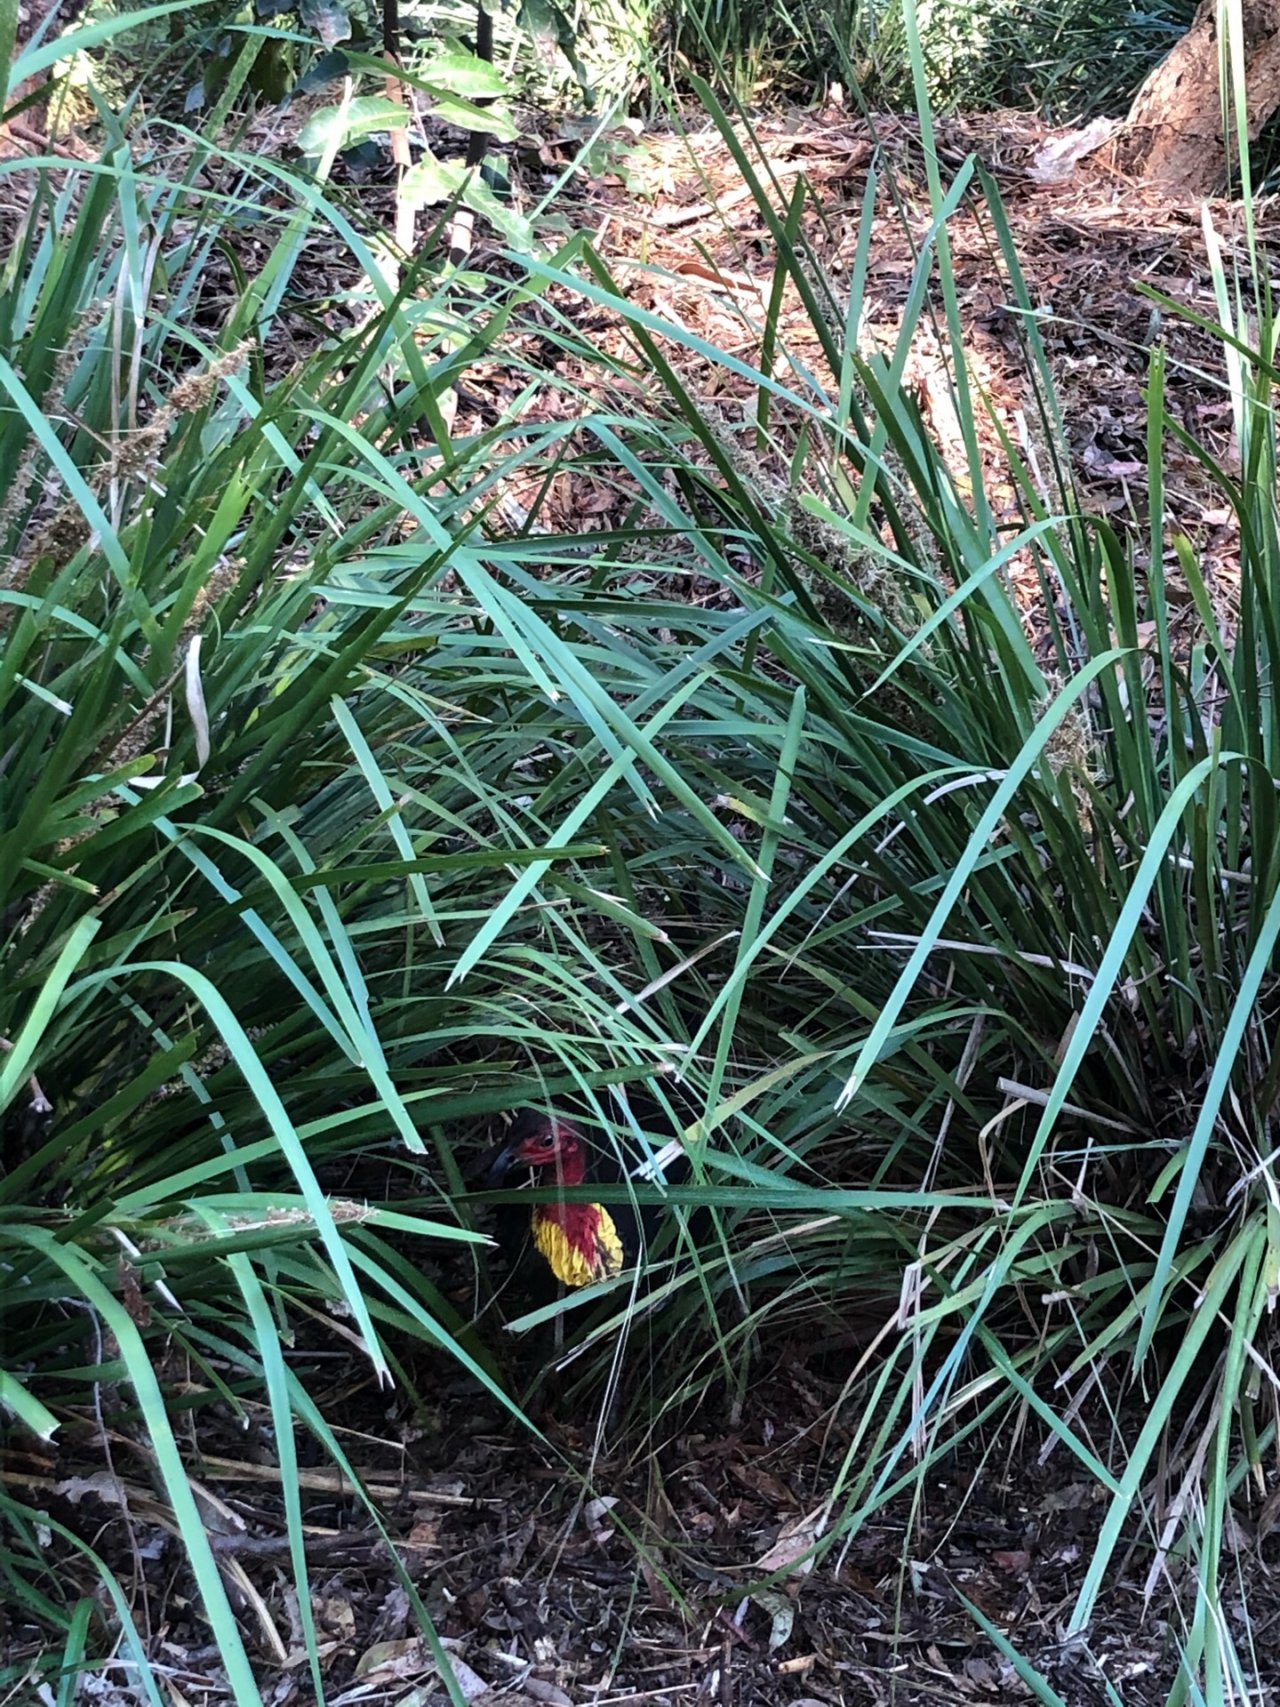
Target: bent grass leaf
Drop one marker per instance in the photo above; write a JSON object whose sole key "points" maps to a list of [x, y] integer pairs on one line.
{"points": [[19, 1402]]}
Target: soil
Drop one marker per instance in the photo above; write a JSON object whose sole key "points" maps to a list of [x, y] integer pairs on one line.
{"points": [[569, 1569]]}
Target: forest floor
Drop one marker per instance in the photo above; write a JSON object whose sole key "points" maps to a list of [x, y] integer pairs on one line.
{"points": [[683, 236], [634, 1589], [562, 1569]]}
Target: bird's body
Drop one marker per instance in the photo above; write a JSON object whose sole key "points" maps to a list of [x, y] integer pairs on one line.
{"points": [[581, 1242]]}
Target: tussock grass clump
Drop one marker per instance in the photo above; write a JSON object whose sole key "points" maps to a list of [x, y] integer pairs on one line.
{"points": [[1001, 970], [339, 815]]}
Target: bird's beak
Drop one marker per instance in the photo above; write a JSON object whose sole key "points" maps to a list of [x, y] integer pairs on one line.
{"points": [[497, 1164]]}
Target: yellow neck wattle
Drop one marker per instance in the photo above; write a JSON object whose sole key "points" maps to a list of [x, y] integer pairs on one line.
{"points": [[579, 1240]]}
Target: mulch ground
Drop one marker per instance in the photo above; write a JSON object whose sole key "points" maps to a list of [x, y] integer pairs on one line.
{"points": [[567, 1570], [633, 1586], [683, 236]]}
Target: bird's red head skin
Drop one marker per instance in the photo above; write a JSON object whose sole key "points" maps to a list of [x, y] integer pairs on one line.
{"points": [[555, 1144]]}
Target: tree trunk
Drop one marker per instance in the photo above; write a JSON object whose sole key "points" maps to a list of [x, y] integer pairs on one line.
{"points": [[1173, 135]]}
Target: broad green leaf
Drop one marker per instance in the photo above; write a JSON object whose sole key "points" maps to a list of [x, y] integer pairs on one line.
{"points": [[332, 127], [512, 226], [462, 74], [431, 181], [494, 121]]}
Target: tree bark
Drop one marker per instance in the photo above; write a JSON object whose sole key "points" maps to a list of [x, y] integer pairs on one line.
{"points": [[1173, 135]]}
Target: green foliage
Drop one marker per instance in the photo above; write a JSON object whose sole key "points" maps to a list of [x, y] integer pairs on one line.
{"points": [[1081, 57], [986, 1001], [300, 868], [241, 813], [346, 803], [1084, 56], [453, 82], [8, 37]]}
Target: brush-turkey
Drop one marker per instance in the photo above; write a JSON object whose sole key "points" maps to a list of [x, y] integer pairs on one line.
{"points": [[581, 1242]]}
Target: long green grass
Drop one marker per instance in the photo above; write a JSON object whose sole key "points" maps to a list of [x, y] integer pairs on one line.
{"points": [[1064, 60], [338, 814], [272, 730], [994, 982]]}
